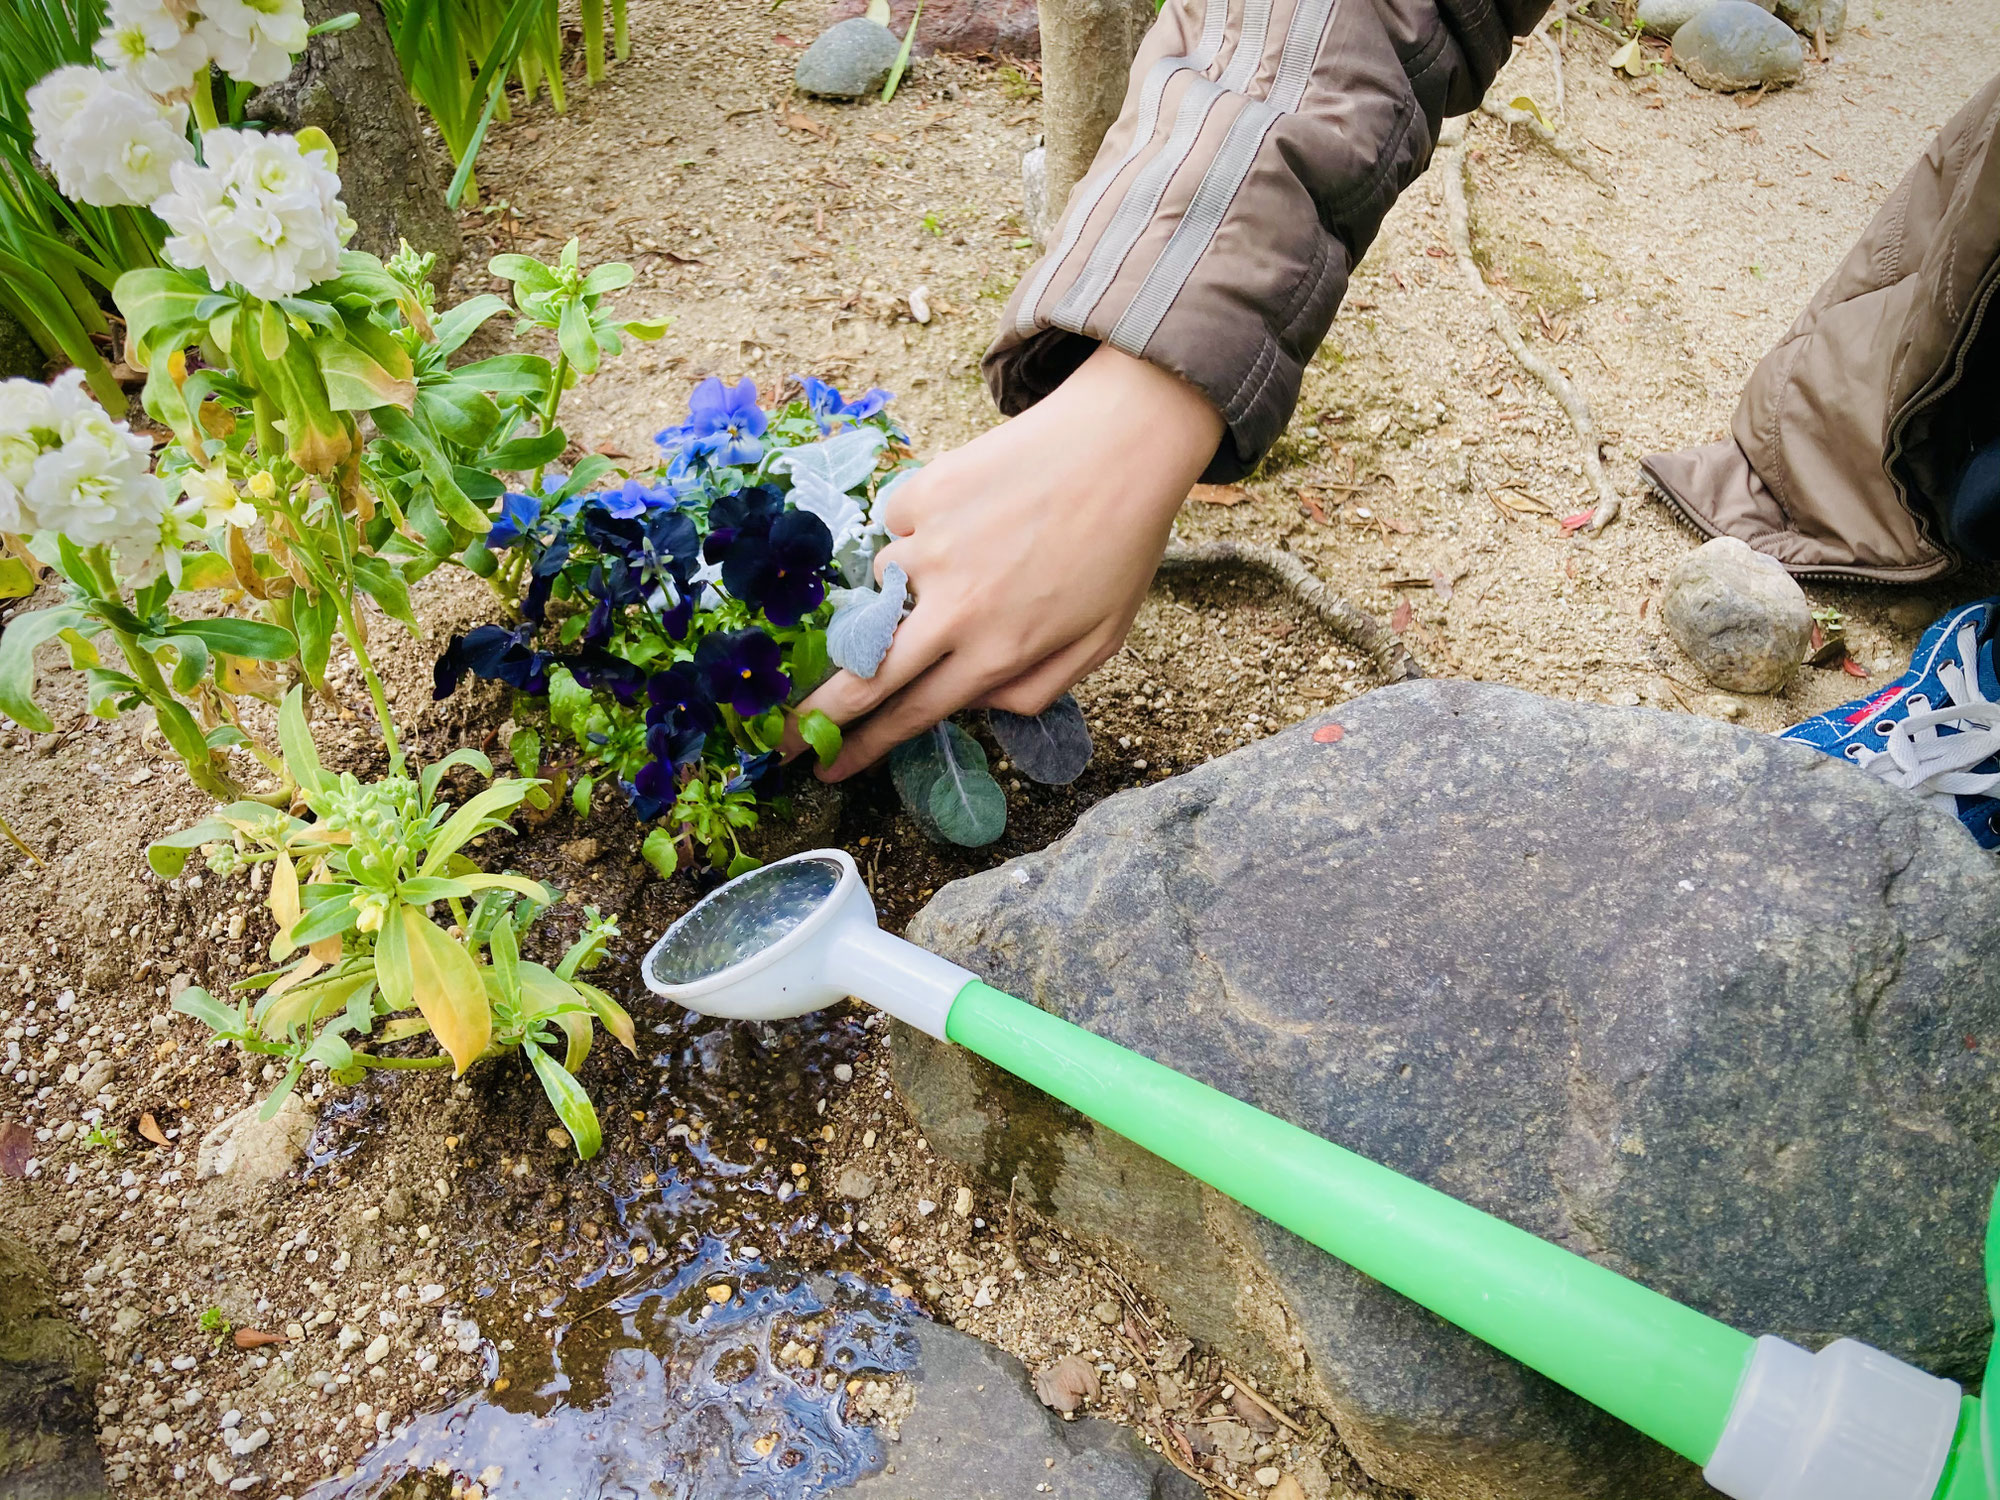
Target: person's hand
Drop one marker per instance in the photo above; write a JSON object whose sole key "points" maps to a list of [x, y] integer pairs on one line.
{"points": [[1028, 551]]}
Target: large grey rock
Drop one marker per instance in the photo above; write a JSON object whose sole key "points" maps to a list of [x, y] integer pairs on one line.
{"points": [[1736, 45], [848, 60], [48, 1380], [1810, 17], [977, 1431], [1665, 17], [1713, 1009], [1739, 614]]}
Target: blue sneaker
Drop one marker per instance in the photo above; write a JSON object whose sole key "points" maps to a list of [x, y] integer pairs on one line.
{"points": [[1935, 730]]}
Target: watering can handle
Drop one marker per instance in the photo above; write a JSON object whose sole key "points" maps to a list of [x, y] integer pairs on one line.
{"points": [[1672, 1372]]}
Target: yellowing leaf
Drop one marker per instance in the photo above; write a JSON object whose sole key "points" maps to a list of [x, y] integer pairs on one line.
{"points": [[1527, 104], [284, 903], [1630, 59], [417, 964]]}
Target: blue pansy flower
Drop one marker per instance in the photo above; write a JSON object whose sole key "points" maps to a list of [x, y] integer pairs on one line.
{"points": [[830, 409], [726, 422], [744, 669], [519, 516], [633, 499]]}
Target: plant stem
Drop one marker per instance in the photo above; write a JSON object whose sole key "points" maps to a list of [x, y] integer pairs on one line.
{"points": [[342, 596], [370, 1060], [203, 772]]}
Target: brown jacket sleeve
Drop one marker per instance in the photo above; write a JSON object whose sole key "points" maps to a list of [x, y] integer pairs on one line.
{"points": [[1261, 143]]}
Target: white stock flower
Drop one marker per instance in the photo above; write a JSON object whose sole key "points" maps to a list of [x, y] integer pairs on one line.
{"points": [[219, 501], [152, 42], [262, 212], [35, 418], [253, 40], [109, 142]]}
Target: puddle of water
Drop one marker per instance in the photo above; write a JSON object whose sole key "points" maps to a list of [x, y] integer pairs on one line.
{"points": [[630, 1381]]}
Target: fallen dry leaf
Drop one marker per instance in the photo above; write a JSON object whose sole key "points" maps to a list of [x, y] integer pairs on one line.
{"points": [[1067, 1384], [791, 119], [1852, 667], [1252, 1413], [1287, 1488], [256, 1338], [17, 1147], [1399, 619], [1577, 521], [150, 1129], [1219, 494], [1397, 525], [1311, 507]]}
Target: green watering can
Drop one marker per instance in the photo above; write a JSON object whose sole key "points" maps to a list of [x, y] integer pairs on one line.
{"points": [[1766, 1419]]}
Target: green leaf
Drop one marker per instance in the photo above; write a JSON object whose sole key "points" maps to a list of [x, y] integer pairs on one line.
{"points": [[362, 374], [296, 741], [460, 411], [569, 701], [571, 1103], [524, 747], [273, 335], [607, 278], [205, 1008], [168, 856], [154, 301], [579, 797], [660, 851], [313, 618], [743, 864], [421, 890], [528, 452], [453, 328], [484, 811], [821, 733], [192, 665], [250, 638], [433, 773], [384, 584], [528, 274], [397, 425], [327, 919], [17, 661], [646, 329], [942, 778], [573, 334]]}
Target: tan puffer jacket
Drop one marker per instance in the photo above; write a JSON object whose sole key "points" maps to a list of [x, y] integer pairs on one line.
{"points": [[1852, 433]]}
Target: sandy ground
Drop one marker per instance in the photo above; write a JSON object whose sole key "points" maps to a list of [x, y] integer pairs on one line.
{"points": [[783, 235]]}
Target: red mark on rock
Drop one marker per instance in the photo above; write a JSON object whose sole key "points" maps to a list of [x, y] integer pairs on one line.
{"points": [[1329, 734]]}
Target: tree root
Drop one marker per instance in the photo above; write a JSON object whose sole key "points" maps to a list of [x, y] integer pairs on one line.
{"points": [[1570, 156], [1357, 627], [1453, 164]]}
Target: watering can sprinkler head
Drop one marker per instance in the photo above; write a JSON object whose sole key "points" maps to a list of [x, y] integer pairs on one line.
{"points": [[793, 937]]}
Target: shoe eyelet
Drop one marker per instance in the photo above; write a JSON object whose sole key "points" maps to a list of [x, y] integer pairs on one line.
{"points": [[1883, 728], [1855, 752], [1993, 823]]}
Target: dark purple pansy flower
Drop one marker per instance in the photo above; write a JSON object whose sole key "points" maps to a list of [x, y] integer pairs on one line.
{"points": [[679, 713], [726, 422], [753, 771], [783, 570], [594, 667], [744, 669], [495, 653], [747, 510]]}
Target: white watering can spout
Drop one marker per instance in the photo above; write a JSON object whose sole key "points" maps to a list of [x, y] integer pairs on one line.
{"points": [[794, 937]]}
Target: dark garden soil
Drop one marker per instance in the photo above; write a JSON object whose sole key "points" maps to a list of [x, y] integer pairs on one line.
{"points": [[1421, 479]]}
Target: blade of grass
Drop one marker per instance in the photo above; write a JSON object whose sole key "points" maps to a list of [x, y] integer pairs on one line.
{"points": [[903, 57]]}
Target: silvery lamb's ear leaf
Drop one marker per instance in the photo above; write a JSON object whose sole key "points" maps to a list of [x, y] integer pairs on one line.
{"points": [[842, 461], [864, 623], [1053, 747], [840, 511], [943, 781]]}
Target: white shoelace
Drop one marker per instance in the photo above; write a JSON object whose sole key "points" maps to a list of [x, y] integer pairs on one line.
{"points": [[1938, 767]]}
